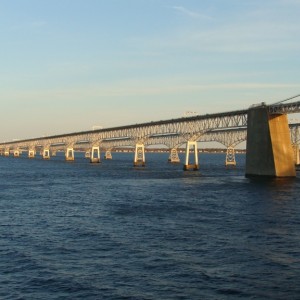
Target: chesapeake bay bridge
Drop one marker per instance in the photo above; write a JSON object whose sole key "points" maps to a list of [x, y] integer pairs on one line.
{"points": [[272, 143]]}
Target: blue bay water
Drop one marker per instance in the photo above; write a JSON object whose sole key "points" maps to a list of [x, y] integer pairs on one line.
{"points": [[112, 231]]}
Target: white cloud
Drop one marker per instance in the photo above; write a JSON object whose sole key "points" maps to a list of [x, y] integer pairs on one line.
{"points": [[190, 13], [259, 31], [262, 28]]}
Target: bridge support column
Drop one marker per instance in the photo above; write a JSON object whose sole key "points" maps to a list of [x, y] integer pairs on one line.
{"points": [[16, 153], [108, 155], [95, 155], [31, 153], [296, 154], [188, 165], [230, 157], [174, 158], [87, 154], [70, 154], [269, 147], [6, 152], [139, 155], [46, 153]]}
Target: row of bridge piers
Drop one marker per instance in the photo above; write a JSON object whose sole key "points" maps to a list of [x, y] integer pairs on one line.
{"points": [[272, 143], [191, 157]]}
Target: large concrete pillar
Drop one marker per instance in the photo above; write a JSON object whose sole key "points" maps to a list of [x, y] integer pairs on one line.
{"points": [[269, 147]]}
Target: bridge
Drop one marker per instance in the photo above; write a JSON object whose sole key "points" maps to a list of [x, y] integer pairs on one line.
{"points": [[264, 127]]}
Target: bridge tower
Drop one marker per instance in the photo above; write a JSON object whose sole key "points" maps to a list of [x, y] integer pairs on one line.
{"points": [[269, 147], [139, 155], [188, 165]]}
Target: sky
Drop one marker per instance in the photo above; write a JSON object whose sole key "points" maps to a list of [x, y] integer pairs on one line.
{"points": [[68, 65]]}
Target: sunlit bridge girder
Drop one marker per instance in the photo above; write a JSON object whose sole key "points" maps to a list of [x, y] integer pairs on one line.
{"points": [[172, 132]]}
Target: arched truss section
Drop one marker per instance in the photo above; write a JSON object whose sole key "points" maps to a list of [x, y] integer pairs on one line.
{"points": [[168, 132], [228, 138], [170, 141], [189, 128]]}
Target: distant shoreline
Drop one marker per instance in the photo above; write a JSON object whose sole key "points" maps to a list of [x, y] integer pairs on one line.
{"points": [[181, 150]]}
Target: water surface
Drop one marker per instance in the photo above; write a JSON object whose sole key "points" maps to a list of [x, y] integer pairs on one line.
{"points": [[112, 231]]}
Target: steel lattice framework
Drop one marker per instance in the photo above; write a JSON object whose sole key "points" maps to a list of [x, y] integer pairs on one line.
{"points": [[295, 133], [228, 128]]}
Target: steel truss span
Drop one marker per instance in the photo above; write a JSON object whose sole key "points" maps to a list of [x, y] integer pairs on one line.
{"points": [[227, 128]]}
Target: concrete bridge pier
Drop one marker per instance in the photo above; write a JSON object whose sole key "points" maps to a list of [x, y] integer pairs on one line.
{"points": [[87, 154], [46, 153], [95, 155], [174, 158], [31, 153], [70, 154], [269, 147], [16, 153], [296, 154], [139, 155], [108, 154], [6, 152], [230, 157], [188, 165]]}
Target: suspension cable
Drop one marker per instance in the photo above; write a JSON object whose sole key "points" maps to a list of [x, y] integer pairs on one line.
{"points": [[286, 100]]}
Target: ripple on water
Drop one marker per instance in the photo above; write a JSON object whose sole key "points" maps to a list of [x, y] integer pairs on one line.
{"points": [[80, 231]]}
